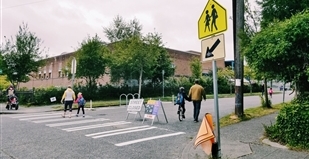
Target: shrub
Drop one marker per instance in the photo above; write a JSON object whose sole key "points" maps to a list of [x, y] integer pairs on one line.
{"points": [[291, 126], [41, 96]]}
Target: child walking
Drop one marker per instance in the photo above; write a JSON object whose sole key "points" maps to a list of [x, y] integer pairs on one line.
{"points": [[270, 92], [81, 103]]}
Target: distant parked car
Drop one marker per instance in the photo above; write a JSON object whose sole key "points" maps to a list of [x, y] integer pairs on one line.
{"points": [[281, 88]]}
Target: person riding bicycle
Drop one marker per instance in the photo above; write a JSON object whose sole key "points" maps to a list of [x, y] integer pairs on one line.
{"points": [[182, 96]]}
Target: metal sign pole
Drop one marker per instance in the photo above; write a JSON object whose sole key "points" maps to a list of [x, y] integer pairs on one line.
{"points": [[163, 111], [216, 106], [283, 92]]}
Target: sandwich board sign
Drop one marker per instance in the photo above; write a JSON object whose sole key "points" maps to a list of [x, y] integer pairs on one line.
{"points": [[152, 110], [134, 107]]}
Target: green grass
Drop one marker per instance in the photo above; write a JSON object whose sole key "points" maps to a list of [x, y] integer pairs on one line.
{"points": [[249, 113], [169, 98]]}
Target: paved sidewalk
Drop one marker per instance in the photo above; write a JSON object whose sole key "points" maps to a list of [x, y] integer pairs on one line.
{"points": [[23, 110], [244, 140], [241, 140]]}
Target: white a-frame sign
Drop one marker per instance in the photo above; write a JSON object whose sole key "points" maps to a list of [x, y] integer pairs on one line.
{"points": [[134, 107]]}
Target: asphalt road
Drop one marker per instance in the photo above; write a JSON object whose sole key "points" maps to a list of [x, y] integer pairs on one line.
{"points": [[105, 133]]}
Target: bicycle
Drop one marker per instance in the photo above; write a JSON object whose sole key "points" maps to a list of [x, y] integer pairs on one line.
{"points": [[180, 113]]}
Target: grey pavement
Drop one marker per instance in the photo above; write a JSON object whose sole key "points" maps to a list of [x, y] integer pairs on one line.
{"points": [[242, 140]]}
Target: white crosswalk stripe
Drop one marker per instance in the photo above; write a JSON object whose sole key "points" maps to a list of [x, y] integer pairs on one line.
{"points": [[41, 117], [96, 126], [124, 132], [148, 138], [55, 120], [75, 122], [112, 131], [32, 115]]}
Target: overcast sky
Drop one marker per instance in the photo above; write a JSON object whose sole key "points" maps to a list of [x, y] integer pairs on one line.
{"points": [[63, 24]]}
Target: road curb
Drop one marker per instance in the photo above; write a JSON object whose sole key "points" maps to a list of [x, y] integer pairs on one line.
{"points": [[273, 144]]}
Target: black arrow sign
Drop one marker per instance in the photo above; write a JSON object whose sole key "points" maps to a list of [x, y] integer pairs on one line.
{"points": [[209, 51]]}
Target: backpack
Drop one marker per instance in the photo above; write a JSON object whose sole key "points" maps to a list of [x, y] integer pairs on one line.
{"points": [[179, 99], [82, 101]]}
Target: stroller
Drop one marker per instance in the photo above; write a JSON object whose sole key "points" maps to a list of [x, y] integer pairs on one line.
{"points": [[12, 102]]}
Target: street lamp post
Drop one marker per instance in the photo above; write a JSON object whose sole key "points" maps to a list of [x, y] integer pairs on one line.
{"points": [[163, 83], [14, 74], [73, 70]]}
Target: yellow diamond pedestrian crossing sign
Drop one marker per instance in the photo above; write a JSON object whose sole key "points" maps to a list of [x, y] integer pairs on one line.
{"points": [[213, 20]]}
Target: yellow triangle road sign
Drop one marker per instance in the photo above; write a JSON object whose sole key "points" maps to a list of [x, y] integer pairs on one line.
{"points": [[213, 20]]}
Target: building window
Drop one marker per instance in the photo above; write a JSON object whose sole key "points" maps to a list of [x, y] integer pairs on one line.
{"points": [[60, 66], [40, 76], [173, 65], [44, 76], [51, 68], [59, 73], [49, 75]]}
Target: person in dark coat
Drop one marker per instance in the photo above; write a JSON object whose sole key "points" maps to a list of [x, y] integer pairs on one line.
{"points": [[182, 103]]}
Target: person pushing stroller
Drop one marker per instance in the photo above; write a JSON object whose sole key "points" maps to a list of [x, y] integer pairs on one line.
{"points": [[10, 96]]}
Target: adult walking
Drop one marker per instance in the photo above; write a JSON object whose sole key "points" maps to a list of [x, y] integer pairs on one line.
{"points": [[68, 98], [196, 94]]}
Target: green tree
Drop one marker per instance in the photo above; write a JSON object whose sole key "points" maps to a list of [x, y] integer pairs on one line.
{"points": [[163, 61], [252, 21], [279, 10], [91, 59], [134, 56], [228, 74], [120, 29], [281, 51], [274, 11], [118, 34], [249, 74], [22, 55], [196, 68], [4, 82], [251, 28]]}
